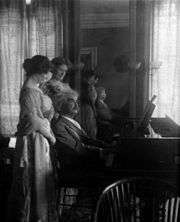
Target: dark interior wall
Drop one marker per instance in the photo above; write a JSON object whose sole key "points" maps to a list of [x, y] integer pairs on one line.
{"points": [[110, 43]]}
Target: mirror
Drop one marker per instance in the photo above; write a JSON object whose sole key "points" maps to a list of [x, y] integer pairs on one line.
{"points": [[104, 45]]}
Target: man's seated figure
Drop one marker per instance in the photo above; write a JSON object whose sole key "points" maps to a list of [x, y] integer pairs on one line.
{"points": [[81, 159], [75, 149]]}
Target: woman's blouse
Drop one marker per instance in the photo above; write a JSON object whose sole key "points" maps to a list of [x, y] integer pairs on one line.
{"points": [[36, 112]]}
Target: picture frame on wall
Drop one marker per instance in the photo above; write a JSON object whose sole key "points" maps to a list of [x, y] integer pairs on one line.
{"points": [[88, 56]]}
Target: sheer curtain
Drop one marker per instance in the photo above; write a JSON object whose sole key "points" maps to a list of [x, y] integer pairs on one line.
{"points": [[24, 32], [45, 28], [165, 58], [12, 42]]}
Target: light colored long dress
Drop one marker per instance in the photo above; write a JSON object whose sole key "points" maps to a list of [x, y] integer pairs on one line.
{"points": [[32, 196]]}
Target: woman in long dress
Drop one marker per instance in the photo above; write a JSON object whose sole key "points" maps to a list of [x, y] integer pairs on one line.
{"points": [[32, 196]]}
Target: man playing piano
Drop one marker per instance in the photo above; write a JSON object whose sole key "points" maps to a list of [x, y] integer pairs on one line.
{"points": [[74, 148]]}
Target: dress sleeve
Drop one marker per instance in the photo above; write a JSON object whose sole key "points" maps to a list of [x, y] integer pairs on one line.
{"points": [[31, 116]]}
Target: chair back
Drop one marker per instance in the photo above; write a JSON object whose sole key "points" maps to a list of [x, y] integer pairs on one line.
{"points": [[138, 200]]}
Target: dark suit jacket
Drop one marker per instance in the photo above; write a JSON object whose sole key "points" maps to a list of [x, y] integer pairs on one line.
{"points": [[74, 148]]}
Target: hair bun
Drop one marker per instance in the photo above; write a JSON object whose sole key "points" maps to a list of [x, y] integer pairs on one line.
{"points": [[38, 64], [27, 65]]}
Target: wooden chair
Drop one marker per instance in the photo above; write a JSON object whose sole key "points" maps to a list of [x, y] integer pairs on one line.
{"points": [[138, 200]]}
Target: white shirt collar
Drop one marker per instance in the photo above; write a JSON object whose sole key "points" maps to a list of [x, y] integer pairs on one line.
{"points": [[73, 121]]}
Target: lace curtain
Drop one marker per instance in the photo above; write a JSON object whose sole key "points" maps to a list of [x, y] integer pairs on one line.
{"points": [[24, 32], [45, 28], [12, 29], [165, 58]]}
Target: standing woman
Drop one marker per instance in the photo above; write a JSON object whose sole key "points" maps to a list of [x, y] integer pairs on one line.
{"points": [[56, 84], [32, 197]]}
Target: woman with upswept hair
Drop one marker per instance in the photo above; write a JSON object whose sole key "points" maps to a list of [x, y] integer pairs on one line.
{"points": [[32, 196], [56, 84]]}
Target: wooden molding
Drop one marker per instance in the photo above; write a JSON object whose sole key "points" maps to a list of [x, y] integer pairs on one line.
{"points": [[104, 20], [93, 53]]}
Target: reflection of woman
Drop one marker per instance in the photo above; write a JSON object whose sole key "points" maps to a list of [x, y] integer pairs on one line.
{"points": [[103, 111], [32, 198], [88, 98], [104, 117]]}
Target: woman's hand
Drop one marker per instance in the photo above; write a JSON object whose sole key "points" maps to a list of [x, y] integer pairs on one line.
{"points": [[47, 131], [52, 140]]}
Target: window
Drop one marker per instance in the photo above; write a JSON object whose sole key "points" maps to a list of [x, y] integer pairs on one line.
{"points": [[165, 58], [25, 30]]}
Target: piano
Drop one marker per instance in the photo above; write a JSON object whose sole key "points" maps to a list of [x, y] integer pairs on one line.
{"points": [[153, 157]]}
